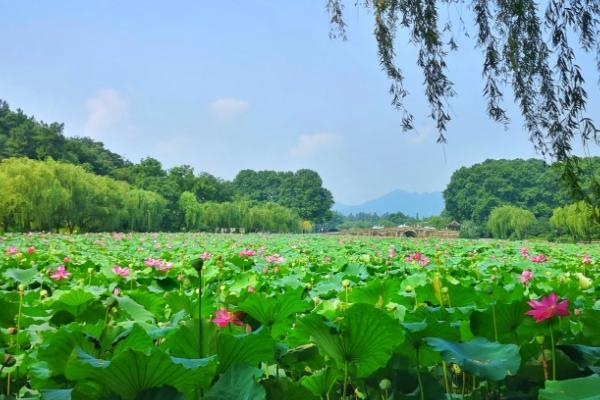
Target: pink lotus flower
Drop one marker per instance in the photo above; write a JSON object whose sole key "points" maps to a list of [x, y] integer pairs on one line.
{"points": [[548, 308], [524, 252], [247, 253], [225, 317], [66, 260], [158, 264], [250, 289], [275, 259], [419, 257], [12, 250], [539, 258], [206, 256], [30, 250], [526, 276], [60, 273], [124, 272], [392, 252], [586, 259]]}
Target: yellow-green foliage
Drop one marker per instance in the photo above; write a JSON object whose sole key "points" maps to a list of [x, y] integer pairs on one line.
{"points": [[579, 219], [509, 221], [47, 195]]}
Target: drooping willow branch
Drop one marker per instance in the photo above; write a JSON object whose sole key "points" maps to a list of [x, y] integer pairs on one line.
{"points": [[527, 47]]}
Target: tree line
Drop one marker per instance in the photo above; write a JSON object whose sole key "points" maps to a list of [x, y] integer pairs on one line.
{"points": [[298, 197], [522, 198]]}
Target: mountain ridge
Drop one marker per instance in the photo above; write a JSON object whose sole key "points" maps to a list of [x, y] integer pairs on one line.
{"points": [[409, 203]]}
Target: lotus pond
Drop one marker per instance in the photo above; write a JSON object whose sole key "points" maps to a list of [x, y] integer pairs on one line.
{"points": [[190, 316]]}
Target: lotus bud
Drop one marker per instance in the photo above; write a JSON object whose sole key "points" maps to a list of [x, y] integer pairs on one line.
{"points": [[316, 299], [11, 330], [445, 290], [222, 288], [385, 384], [308, 285], [8, 360], [345, 283], [584, 282], [43, 293]]}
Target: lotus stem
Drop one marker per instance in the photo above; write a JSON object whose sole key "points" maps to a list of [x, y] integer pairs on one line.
{"points": [[494, 321], [553, 349], [421, 390], [345, 380], [446, 385]]}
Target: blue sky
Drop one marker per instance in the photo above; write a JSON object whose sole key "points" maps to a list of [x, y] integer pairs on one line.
{"points": [[228, 85]]}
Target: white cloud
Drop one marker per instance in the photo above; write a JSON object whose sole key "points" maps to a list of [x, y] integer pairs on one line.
{"points": [[310, 144], [105, 110], [419, 135], [228, 107]]}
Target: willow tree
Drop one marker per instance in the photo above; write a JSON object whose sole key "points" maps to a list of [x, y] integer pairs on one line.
{"points": [[578, 219], [529, 48], [510, 221]]}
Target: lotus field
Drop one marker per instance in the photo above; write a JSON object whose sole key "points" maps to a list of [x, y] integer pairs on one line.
{"points": [[202, 316]]}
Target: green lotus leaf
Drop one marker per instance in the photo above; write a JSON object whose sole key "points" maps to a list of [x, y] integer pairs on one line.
{"points": [[364, 339], [587, 388], [135, 310], [25, 276], [583, 356], [248, 349], [480, 357], [238, 383], [321, 382], [377, 293], [184, 341], [132, 371]]}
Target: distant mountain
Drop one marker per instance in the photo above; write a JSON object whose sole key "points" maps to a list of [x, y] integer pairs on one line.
{"points": [[409, 203]]}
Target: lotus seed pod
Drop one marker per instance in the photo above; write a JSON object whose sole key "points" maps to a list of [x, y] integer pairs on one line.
{"points": [[43, 293], [445, 290], [385, 384], [90, 271], [308, 285], [408, 289], [345, 283], [539, 339], [21, 287], [11, 330], [316, 299], [456, 369]]}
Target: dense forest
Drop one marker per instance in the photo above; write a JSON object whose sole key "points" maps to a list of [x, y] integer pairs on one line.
{"points": [[178, 198]]}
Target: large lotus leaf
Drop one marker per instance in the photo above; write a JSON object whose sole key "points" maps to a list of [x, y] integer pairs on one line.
{"points": [[249, 349], [74, 301], [238, 383], [377, 293], [185, 340], [135, 310], [321, 382], [57, 349], [480, 357], [56, 394], [285, 388], [25, 276], [587, 388], [508, 318], [134, 338], [364, 339], [150, 301], [132, 371], [161, 393], [583, 356], [591, 326], [273, 311]]}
